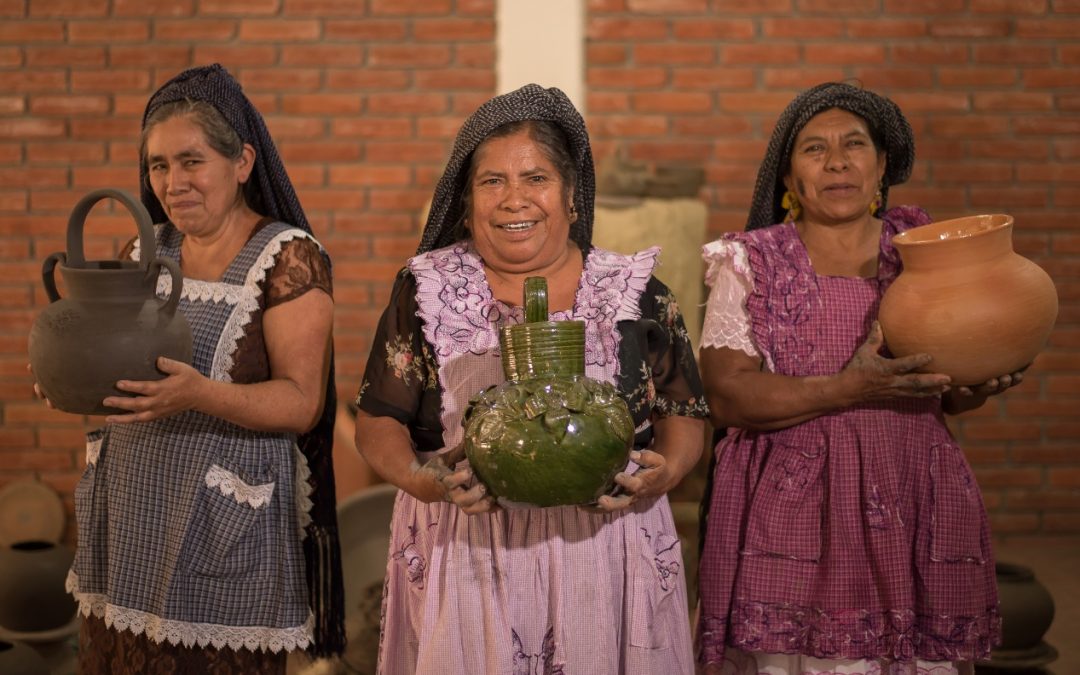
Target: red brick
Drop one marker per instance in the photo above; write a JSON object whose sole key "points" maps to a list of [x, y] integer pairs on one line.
{"points": [[64, 56], [324, 104], [366, 29], [280, 79], [895, 78], [924, 6], [671, 102], [704, 28], [1048, 173], [1061, 522], [367, 176], [331, 199], [1013, 523], [1044, 453], [109, 31], [24, 32], [12, 201], [233, 56], [674, 54], [759, 54], [1047, 29], [155, 8], [367, 222], [324, 8], [1009, 6], [445, 128], [239, 7], [929, 54], [280, 30], [1008, 477], [715, 78], [668, 6], [462, 30], [1014, 55], [404, 103], [1051, 78], [814, 29], [320, 151], [29, 127], [482, 79], [1004, 149], [155, 55], [406, 151], [109, 81], [844, 53], [408, 55], [475, 55], [977, 77], [888, 28], [64, 152], [346, 248], [373, 127], [605, 55], [68, 8], [629, 126], [69, 105], [367, 80], [204, 30], [1012, 101], [33, 459], [322, 55], [1009, 197], [799, 77], [413, 7], [105, 128]]}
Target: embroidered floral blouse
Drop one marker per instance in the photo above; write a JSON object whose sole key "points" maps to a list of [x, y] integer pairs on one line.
{"points": [[658, 373]]}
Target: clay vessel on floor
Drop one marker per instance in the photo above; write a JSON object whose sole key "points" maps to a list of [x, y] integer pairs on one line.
{"points": [[17, 658], [1027, 608], [967, 299], [111, 324], [33, 596]]}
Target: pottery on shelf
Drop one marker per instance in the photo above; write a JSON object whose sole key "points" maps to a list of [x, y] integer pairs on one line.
{"points": [[32, 591], [549, 435], [111, 325], [967, 299]]}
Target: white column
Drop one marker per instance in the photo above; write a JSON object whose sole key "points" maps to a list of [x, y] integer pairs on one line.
{"points": [[543, 42]]}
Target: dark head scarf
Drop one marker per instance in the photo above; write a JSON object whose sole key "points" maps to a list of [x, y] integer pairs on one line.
{"points": [[322, 553], [531, 102], [887, 125]]}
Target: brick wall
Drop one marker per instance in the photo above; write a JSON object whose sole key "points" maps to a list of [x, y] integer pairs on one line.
{"points": [[363, 98]]}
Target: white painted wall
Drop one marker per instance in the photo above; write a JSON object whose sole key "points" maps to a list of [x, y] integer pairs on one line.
{"points": [[543, 42]]}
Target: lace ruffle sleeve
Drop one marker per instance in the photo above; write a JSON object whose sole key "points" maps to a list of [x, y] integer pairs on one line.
{"points": [[728, 274], [300, 267]]}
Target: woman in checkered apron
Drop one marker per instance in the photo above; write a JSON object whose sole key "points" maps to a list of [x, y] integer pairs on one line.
{"points": [[206, 533], [472, 588], [846, 533]]}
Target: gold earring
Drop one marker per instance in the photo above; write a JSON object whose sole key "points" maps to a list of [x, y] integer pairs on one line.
{"points": [[791, 202], [875, 203]]}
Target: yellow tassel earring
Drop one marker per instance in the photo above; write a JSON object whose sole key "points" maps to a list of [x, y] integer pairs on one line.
{"points": [[875, 203], [791, 203]]}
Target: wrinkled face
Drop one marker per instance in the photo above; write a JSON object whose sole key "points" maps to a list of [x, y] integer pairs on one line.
{"points": [[835, 168], [520, 217], [197, 186]]}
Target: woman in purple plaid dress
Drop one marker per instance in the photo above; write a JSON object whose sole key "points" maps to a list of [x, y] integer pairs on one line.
{"points": [[845, 531]]}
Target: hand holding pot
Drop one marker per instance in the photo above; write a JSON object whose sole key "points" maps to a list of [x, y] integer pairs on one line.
{"points": [[179, 391], [961, 399], [652, 478], [871, 376]]}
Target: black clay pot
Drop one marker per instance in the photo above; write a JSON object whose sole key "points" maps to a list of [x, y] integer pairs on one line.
{"points": [[32, 593], [1027, 609]]}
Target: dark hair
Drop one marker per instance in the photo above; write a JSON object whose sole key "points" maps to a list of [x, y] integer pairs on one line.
{"points": [[218, 132], [552, 141]]}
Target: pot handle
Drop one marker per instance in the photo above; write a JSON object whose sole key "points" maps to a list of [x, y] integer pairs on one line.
{"points": [[48, 275], [76, 257], [536, 299], [177, 281]]}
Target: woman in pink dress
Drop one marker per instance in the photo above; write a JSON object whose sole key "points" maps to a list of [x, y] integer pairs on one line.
{"points": [[845, 530], [472, 587]]}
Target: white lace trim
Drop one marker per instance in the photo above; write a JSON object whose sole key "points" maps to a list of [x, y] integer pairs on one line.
{"points": [[727, 322], [248, 303], [189, 634], [198, 290], [93, 451], [303, 491], [229, 484]]}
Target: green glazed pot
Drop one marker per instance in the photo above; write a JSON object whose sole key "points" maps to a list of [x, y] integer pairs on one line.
{"points": [[549, 435]]}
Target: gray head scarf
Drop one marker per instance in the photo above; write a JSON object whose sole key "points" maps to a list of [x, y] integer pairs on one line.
{"points": [[217, 87], [887, 125], [531, 102]]}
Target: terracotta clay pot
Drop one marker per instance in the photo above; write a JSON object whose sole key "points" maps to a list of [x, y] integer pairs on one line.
{"points": [[967, 299], [32, 592], [1027, 608], [111, 326], [549, 436]]}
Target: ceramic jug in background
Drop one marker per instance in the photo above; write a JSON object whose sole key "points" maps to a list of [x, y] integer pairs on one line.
{"points": [[967, 299], [111, 325]]}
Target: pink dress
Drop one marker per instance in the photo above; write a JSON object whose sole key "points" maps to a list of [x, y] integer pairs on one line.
{"points": [[528, 591], [857, 535]]}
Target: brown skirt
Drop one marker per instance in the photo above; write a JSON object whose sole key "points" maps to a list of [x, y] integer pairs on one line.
{"points": [[103, 651]]}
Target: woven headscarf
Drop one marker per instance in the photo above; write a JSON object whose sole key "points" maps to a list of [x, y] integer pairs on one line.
{"points": [[531, 102], [881, 114], [322, 550]]}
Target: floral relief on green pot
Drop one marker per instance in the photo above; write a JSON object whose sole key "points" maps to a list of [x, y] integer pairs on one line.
{"points": [[549, 435]]}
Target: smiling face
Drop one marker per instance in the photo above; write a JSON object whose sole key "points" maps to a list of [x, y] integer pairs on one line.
{"points": [[197, 186], [519, 213], [835, 168]]}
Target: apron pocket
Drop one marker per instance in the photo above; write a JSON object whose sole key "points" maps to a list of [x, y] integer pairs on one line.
{"points": [[787, 507], [956, 512]]}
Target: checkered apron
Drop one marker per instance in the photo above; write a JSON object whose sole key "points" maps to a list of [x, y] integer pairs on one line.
{"points": [[190, 527]]}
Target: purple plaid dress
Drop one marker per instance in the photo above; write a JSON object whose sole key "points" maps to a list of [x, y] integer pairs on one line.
{"points": [[860, 534]]}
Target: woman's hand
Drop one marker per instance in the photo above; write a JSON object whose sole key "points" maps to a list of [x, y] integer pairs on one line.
{"points": [[652, 479], [457, 486], [870, 376], [962, 399], [177, 392]]}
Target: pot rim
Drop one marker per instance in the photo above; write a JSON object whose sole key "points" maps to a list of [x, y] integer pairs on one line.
{"points": [[953, 229]]}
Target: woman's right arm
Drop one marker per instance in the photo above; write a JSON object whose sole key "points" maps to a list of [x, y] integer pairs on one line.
{"points": [[386, 446], [740, 394]]}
